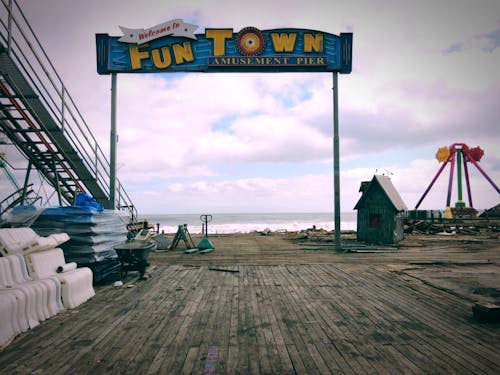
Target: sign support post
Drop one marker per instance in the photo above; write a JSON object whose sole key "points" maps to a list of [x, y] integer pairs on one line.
{"points": [[336, 174], [112, 148]]}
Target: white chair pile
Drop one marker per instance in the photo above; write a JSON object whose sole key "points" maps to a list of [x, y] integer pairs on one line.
{"points": [[36, 283]]}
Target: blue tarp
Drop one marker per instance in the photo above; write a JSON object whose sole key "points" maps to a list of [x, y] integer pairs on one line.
{"points": [[85, 200]]}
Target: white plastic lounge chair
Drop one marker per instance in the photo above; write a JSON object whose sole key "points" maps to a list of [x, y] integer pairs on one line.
{"points": [[76, 283]]}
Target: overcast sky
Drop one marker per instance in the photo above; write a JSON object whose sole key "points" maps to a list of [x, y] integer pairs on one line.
{"points": [[425, 75]]}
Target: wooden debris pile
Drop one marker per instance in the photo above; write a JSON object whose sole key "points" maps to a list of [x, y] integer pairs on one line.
{"points": [[471, 227]]}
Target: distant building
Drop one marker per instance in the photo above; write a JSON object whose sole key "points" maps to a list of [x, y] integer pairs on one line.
{"points": [[380, 212]]}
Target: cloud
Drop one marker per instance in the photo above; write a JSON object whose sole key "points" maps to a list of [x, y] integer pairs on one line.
{"points": [[311, 193], [424, 114], [308, 193], [484, 42], [491, 40], [200, 120], [263, 142]]}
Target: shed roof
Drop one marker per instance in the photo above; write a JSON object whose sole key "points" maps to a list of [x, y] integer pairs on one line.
{"points": [[392, 194]]}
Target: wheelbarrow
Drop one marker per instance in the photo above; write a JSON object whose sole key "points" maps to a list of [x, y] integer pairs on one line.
{"points": [[133, 255]]}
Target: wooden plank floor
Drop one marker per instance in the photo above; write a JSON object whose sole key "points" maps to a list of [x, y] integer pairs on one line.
{"points": [[211, 315]]}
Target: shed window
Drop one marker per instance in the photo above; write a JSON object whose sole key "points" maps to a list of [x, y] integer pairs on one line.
{"points": [[374, 221]]}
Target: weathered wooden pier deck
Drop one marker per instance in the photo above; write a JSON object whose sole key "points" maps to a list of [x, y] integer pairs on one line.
{"points": [[269, 305]]}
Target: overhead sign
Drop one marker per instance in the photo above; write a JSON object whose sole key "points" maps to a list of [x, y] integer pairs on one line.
{"points": [[173, 47]]}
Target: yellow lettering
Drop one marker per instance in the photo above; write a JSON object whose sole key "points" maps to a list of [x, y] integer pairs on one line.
{"points": [[283, 42], [313, 42], [137, 55], [161, 60], [183, 53], [219, 37]]}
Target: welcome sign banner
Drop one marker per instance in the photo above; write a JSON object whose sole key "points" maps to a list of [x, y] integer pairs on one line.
{"points": [[173, 47]]}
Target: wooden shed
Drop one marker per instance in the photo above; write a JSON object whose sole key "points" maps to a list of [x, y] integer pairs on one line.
{"points": [[380, 212]]}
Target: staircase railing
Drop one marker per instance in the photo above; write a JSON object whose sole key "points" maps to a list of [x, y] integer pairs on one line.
{"points": [[25, 49]]}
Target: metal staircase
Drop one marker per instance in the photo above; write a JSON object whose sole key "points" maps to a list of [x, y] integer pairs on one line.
{"points": [[40, 118]]}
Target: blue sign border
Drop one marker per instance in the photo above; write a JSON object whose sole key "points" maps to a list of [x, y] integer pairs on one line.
{"points": [[335, 55]]}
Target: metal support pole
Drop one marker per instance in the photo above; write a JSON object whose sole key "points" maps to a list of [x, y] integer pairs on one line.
{"points": [[9, 29], [336, 174], [62, 108], [459, 178], [56, 175], [450, 181], [467, 181], [26, 181], [112, 148], [96, 160]]}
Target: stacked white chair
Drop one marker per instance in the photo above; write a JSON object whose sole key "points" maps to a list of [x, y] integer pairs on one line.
{"points": [[17, 307], [13, 315], [25, 241], [31, 289], [21, 277], [30, 297], [17, 240], [76, 283]]}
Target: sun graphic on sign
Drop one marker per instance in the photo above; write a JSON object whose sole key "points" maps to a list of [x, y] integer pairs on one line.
{"points": [[250, 41]]}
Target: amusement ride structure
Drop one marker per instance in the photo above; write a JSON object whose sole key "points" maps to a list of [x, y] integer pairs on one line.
{"points": [[458, 154]]}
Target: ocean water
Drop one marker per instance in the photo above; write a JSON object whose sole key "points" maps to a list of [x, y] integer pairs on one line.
{"points": [[246, 223]]}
